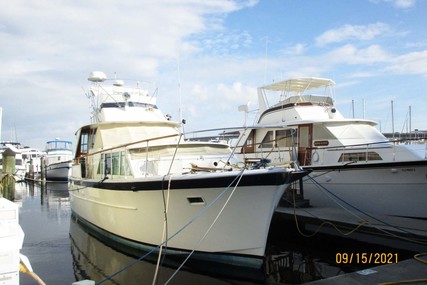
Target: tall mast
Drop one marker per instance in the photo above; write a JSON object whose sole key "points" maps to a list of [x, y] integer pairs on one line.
{"points": [[392, 118]]}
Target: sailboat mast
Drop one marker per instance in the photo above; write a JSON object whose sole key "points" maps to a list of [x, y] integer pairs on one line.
{"points": [[392, 118]]}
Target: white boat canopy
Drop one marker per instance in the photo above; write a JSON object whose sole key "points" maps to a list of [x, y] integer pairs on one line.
{"points": [[299, 85]]}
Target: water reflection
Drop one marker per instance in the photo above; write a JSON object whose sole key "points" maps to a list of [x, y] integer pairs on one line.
{"points": [[96, 260], [47, 192], [44, 217], [92, 259], [57, 189]]}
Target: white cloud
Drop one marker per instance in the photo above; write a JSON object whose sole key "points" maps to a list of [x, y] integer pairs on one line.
{"points": [[362, 74], [349, 54], [411, 63], [119, 32], [200, 92], [235, 94], [225, 42], [47, 50], [352, 32], [404, 3], [215, 105], [297, 49], [400, 4]]}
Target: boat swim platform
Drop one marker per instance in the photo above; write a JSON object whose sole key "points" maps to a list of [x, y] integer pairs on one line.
{"points": [[390, 231], [410, 271]]}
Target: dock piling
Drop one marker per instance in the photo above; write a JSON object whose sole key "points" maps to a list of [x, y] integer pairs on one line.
{"points": [[43, 169], [30, 172]]}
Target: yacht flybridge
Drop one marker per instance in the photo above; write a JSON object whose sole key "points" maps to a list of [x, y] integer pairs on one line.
{"points": [[135, 179], [120, 103], [348, 157]]}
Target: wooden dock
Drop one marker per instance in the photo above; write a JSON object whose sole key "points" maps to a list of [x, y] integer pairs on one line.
{"points": [[379, 229], [408, 271]]}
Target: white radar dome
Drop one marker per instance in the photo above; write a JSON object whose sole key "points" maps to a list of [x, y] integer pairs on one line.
{"points": [[97, 76]]}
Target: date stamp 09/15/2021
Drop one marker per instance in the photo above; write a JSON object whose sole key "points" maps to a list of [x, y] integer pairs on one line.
{"points": [[342, 258]]}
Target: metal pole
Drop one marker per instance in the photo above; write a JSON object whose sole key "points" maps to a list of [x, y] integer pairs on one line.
{"points": [[410, 121], [352, 107]]}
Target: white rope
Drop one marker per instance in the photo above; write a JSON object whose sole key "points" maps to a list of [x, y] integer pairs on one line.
{"points": [[208, 230], [166, 208]]}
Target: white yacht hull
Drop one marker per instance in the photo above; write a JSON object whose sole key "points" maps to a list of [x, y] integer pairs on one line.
{"points": [[394, 189], [60, 171], [134, 210], [355, 168]]}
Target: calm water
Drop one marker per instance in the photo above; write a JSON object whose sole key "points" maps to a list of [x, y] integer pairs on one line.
{"points": [[62, 252]]}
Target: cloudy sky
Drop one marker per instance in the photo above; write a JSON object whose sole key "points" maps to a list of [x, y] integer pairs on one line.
{"points": [[212, 54]]}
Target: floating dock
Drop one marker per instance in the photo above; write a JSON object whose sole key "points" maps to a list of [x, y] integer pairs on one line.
{"points": [[407, 271]]}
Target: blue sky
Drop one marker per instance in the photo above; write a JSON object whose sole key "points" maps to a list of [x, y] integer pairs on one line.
{"points": [[217, 51]]}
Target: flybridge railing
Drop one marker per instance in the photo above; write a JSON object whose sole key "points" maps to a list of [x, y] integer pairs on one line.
{"points": [[117, 93]]}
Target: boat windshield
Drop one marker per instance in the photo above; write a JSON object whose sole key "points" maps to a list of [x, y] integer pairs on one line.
{"points": [[315, 99], [58, 145], [352, 134], [129, 104]]}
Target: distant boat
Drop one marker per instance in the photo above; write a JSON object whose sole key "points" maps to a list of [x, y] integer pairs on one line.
{"points": [[59, 155], [32, 158], [352, 163], [137, 181], [25, 158], [20, 163]]}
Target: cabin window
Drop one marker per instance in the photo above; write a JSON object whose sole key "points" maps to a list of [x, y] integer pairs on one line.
{"points": [[304, 136], [267, 141], [248, 146], [92, 138], [124, 165], [359, 156], [114, 163], [284, 138], [107, 163], [83, 142], [356, 132], [321, 133], [104, 167]]}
